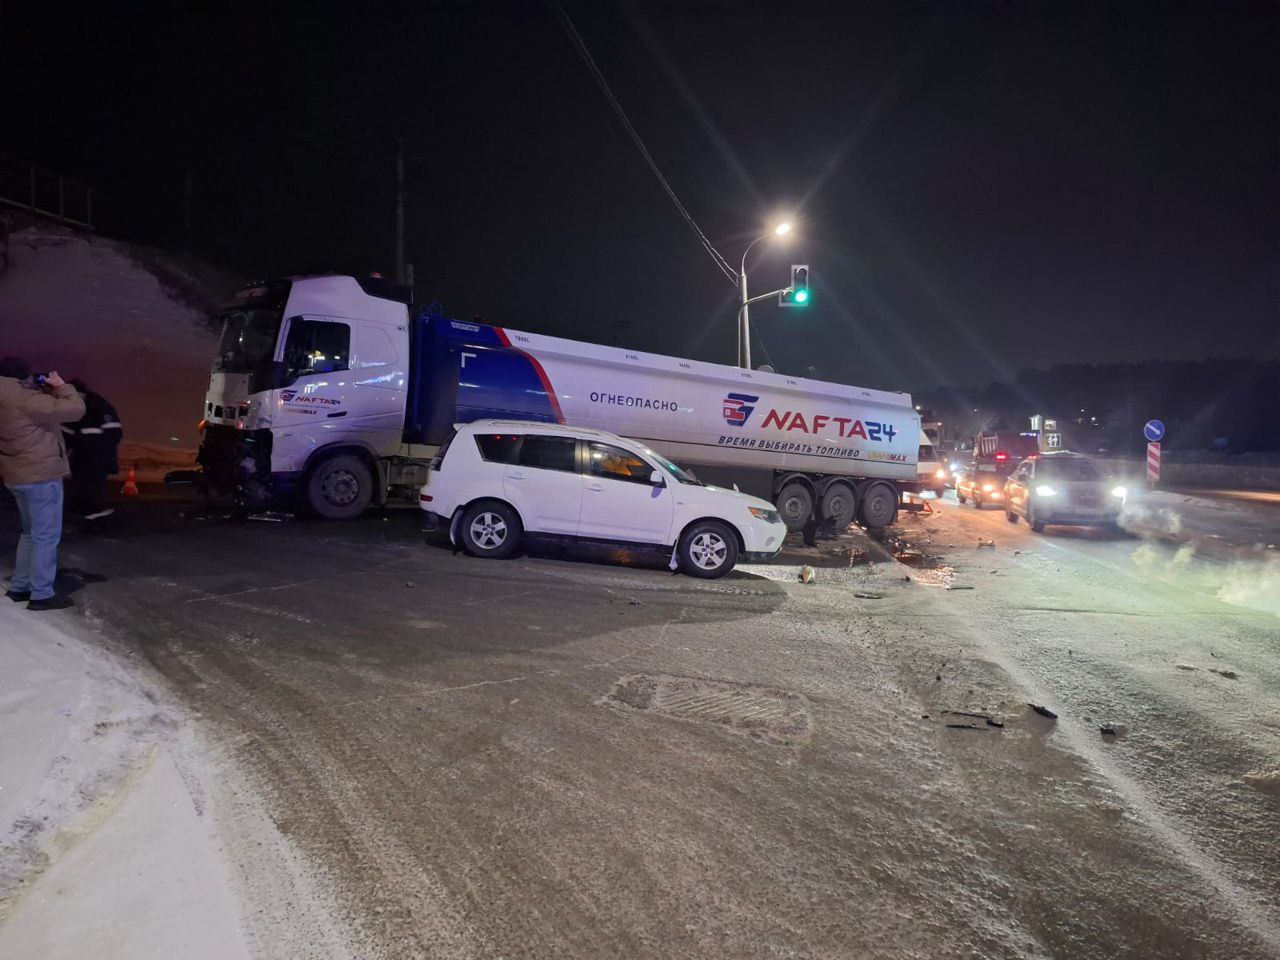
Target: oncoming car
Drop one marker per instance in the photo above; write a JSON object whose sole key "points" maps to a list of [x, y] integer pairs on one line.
{"points": [[1062, 488], [982, 481], [497, 481]]}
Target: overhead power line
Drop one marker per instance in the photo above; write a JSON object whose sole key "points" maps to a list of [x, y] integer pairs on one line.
{"points": [[581, 47]]}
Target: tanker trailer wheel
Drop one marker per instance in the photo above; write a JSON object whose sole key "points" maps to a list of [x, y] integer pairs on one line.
{"points": [[340, 488], [879, 506], [795, 503], [839, 504]]}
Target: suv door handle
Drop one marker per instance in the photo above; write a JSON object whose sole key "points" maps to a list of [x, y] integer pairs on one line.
{"points": [[598, 487], [515, 475]]}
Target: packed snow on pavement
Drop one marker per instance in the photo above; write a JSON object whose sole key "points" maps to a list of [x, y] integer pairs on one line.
{"points": [[108, 804]]}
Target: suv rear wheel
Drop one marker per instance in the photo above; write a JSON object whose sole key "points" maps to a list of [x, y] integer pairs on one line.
{"points": [[708, 549], [490, 529]]}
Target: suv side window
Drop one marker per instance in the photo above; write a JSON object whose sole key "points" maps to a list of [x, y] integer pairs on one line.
{"points": [[614, 463], [498, 447], [549, 453]]}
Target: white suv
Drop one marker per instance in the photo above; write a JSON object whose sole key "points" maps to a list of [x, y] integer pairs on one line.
{"points": [[496, 480]]}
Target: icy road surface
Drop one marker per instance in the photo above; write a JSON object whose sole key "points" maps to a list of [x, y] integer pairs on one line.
{"points": [[548, 757]]}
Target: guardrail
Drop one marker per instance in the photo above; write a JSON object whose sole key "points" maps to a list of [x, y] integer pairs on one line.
{"points": [[44, 192]]}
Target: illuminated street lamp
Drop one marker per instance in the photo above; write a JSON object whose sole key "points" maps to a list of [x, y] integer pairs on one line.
{"points": [[744, 316]]}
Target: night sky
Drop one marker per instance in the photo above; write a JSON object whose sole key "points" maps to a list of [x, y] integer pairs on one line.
{"points": [[978, 187]]}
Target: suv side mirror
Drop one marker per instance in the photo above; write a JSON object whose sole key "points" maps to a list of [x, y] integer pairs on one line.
{"points": [[656, 479]]}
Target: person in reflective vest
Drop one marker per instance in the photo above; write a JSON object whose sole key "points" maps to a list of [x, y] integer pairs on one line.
{"points": [[92, 442]]}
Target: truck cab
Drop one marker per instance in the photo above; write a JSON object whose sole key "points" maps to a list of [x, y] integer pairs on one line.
{"points": [[305, 370]]}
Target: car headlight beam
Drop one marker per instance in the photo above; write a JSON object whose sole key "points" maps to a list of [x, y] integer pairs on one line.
{"points": [[1119, 492], [1044, 490]]}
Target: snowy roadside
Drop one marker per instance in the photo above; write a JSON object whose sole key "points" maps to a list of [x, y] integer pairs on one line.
{"points": [[1208, 523], [106, 848]]}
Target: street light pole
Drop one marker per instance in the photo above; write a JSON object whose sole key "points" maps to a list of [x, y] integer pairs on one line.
{"points": [[744, 313]]}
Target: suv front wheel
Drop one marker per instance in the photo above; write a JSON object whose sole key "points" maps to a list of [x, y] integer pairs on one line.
{"points": [[707, 549], [490, 529]]}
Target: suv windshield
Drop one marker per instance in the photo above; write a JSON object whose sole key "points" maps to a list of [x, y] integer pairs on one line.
{"points": [[1067, 470], [681, 475]]}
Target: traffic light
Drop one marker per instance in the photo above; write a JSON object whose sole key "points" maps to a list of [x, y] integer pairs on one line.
{"points": [[796, 295]]}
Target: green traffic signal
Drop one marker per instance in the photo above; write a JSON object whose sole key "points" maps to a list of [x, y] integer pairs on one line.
{"points": [[796, 295]]}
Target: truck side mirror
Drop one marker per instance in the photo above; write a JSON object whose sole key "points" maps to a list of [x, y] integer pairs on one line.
{"points": [[656, 479]]}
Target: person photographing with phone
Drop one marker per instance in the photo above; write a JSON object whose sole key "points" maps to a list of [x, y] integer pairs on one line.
{"points": [[33, 462]]}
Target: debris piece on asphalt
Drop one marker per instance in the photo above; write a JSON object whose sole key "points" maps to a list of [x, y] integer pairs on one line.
{"points": [[912, 558], [1112, 730], [1043, 711], [1264, 780], [938, 677], [1017, 553], [806, 574], [968, 713], [869, 596], [993, 722], [1185, 666], [410, 583], [924, 716], [986, 543], [964, 726], [270, 516], [958, 586], [1229, 674]]}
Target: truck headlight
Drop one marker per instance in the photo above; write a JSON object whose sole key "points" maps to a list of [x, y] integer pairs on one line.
{"points": [[1119, 492], [940, 474], [768, 516], [1044, 490], [987, 488]]}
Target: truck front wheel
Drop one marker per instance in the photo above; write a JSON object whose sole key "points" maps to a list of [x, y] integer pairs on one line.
{"points": [[708, 549], [795, 503], [879, 506], [340, 488]]}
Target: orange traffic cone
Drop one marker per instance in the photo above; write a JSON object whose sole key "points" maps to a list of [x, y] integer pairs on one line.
{"points": [[130, 488]]}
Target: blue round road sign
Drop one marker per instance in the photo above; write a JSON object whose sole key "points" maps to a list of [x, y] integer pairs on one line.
{"points": [[1154, 431]]}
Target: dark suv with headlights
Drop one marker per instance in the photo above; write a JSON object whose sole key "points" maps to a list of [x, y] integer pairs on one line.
{"points": [[1062, 489]]}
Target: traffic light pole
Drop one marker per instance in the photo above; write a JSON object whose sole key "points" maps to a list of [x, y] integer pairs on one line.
{"points": [[744, 322]]}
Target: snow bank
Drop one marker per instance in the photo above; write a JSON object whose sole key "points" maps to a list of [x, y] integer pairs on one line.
{"points": [[1252, 580], [85, 307], [1253, 584], [106, 850]]}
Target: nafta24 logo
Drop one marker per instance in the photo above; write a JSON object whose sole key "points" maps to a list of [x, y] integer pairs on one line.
{"points": [[738, 408]]}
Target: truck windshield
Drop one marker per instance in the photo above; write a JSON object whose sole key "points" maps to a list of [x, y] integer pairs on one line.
{"points": [[248, 339]]}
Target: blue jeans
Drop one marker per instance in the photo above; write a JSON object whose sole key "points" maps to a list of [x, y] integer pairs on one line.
{"points": [[40, 508]]}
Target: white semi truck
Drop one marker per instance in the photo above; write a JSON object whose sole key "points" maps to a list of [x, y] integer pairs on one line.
{"points": [[338, 391]]}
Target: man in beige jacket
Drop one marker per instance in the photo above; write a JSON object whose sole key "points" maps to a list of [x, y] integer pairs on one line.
{"points": [[33, 461]]}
